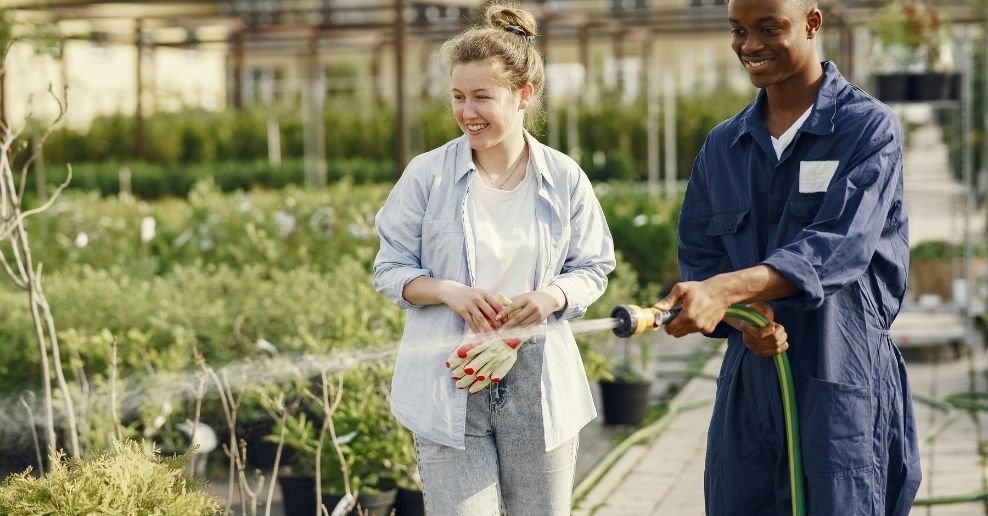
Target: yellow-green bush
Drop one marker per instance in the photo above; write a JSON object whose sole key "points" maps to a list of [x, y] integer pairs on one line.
{"points": [[131, 479]]}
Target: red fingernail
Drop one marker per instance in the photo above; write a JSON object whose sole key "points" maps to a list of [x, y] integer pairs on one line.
{"points": [[512, 343], [481, 377], [495, 380], [468, 370], [464, 349], [457, 379], [447, 364]]}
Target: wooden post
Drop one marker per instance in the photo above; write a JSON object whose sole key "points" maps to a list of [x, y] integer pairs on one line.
{"points": [[238, 70], [139, 80], [589, 81], [619, 63], [401, 151]]}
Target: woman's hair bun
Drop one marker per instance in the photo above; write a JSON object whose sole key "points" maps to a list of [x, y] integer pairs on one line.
{"points": [[501, 16]]}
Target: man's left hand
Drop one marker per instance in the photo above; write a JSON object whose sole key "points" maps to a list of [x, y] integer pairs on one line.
{"points": [[768, 341]]}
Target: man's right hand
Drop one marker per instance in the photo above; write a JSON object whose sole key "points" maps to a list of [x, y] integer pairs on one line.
{"points": [[702, 309]]}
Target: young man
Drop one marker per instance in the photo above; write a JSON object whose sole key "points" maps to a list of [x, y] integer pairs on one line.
{"points": [[797, 201]]}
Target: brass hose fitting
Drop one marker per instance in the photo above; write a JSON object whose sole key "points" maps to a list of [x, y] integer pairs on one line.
{"points": [[634, 320]]}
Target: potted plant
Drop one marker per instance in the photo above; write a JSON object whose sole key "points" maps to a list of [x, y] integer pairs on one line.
{"points": [[368, 439], [912, 53], [409, 501], [624, 384], [622, 376]]}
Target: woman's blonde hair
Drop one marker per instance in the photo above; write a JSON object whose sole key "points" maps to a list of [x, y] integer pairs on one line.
{"points": [[505, 36]]}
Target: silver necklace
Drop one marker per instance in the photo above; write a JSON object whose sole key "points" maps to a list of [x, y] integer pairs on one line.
{"points": [[514, 168]]}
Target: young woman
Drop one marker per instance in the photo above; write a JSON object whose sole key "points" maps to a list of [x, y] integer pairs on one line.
{"points": [[493, 211]]}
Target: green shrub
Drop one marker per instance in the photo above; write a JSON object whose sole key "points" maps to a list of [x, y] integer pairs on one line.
{"points": [[354, 131], [942, 250], [644, 230], [156, 181], [132, 479]]}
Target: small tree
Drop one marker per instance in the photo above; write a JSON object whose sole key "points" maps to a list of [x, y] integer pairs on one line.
{"points": [[18, 263]]}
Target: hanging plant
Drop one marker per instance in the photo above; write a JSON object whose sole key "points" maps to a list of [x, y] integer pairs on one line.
{"points": [[910, 36]]}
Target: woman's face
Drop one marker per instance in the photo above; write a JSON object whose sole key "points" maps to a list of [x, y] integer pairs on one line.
{"points": [[486, 111]]}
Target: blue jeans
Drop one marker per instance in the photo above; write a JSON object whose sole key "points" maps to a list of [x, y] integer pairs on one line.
{"points": [[505, 464]]}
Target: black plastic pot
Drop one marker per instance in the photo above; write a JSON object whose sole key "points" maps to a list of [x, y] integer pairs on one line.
{"points": [[409, 503], [917, 87], [379, 504], [260, 451], [624, 403], [18, 452], [299, 497], [298, 494]]}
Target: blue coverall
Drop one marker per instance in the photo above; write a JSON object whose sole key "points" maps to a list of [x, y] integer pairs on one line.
{"points": [[839, 234]]}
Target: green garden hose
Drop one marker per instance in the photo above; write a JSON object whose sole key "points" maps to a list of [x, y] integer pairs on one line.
{"points": [[631, 320], [788, 408]]}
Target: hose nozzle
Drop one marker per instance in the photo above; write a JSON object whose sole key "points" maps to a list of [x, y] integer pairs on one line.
{"points": [[634, 320]]}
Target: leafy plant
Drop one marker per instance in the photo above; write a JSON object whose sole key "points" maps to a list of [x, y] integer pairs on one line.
{"points": [[941, 250], [377, 451], [910, 33], [130, 479]]}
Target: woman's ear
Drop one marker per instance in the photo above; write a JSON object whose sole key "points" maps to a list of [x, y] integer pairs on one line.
{"points": [[526, 93]]}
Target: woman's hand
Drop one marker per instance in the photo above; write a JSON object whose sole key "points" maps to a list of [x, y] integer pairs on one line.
{"points": [[764, 342], [476, 306], [529, 309]]}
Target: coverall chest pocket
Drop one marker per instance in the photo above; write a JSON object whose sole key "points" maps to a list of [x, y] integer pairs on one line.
{"points": [[729, 227], [442, 246], [805, 209], [726, 223]]}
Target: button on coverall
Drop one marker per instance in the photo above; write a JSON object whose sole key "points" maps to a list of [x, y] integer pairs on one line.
{"points": [[828, 216]]}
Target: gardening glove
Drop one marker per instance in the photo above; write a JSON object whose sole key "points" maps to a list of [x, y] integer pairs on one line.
{"points": [[469, 348], [483, 359]]}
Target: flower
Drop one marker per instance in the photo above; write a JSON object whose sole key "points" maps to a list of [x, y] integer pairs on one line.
{"points": [[148, 225]]}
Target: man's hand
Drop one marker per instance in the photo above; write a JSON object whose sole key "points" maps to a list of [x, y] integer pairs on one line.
{"points": [[702, 308], [764, 342], [476, 306]]}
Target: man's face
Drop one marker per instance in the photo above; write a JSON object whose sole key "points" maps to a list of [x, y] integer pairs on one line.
{"points": [[773, 38]]}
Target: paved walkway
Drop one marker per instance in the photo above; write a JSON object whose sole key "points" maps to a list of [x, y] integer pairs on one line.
{"points": [[665, 476]]}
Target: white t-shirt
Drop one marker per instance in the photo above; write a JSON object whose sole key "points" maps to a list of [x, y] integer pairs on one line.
{"points": [[505, 235], [786, 138]]}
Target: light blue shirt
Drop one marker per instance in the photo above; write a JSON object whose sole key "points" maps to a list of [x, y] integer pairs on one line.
{"points": [[424, 232]]}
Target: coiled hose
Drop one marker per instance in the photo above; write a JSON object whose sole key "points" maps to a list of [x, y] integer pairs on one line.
{"points": [[788, 393]]}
